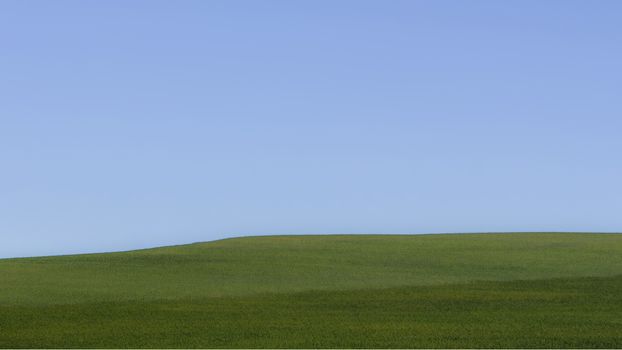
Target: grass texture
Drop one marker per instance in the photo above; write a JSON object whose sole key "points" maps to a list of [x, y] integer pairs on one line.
{"points": [[547, 290]]}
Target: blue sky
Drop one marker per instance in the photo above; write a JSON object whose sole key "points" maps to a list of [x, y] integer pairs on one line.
{"points": [[128, 124]]}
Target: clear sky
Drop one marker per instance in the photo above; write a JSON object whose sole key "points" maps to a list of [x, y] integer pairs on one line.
{"points": [[129, 124]]}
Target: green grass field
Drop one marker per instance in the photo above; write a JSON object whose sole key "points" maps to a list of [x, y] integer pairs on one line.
{"points": [[547, 290]]}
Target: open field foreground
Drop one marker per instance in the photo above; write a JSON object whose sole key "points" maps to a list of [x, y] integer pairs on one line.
{"points": [[545, 290]]}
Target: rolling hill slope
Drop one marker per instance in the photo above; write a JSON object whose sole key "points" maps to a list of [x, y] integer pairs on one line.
{"points": [[467, 290]]}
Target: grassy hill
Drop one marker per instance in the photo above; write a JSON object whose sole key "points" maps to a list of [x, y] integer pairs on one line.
{"points": [[468, 290]]}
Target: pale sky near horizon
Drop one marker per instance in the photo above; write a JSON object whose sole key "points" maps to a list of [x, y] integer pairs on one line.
{"points": [[131, 124]]}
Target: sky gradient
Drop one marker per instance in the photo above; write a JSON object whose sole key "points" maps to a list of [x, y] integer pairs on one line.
{"points": [[130, 124]]}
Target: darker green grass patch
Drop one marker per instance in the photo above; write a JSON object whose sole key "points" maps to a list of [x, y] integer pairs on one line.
{"points": [[553, 313]]}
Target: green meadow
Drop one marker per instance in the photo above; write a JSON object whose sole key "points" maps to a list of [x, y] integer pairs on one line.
{"points": [[513, 290]]}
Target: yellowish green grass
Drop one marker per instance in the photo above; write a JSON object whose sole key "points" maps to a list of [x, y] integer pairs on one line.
{"points": [[470, 290]]}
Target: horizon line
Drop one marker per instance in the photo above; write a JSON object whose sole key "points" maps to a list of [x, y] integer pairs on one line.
{"points": [[313, 234]]}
